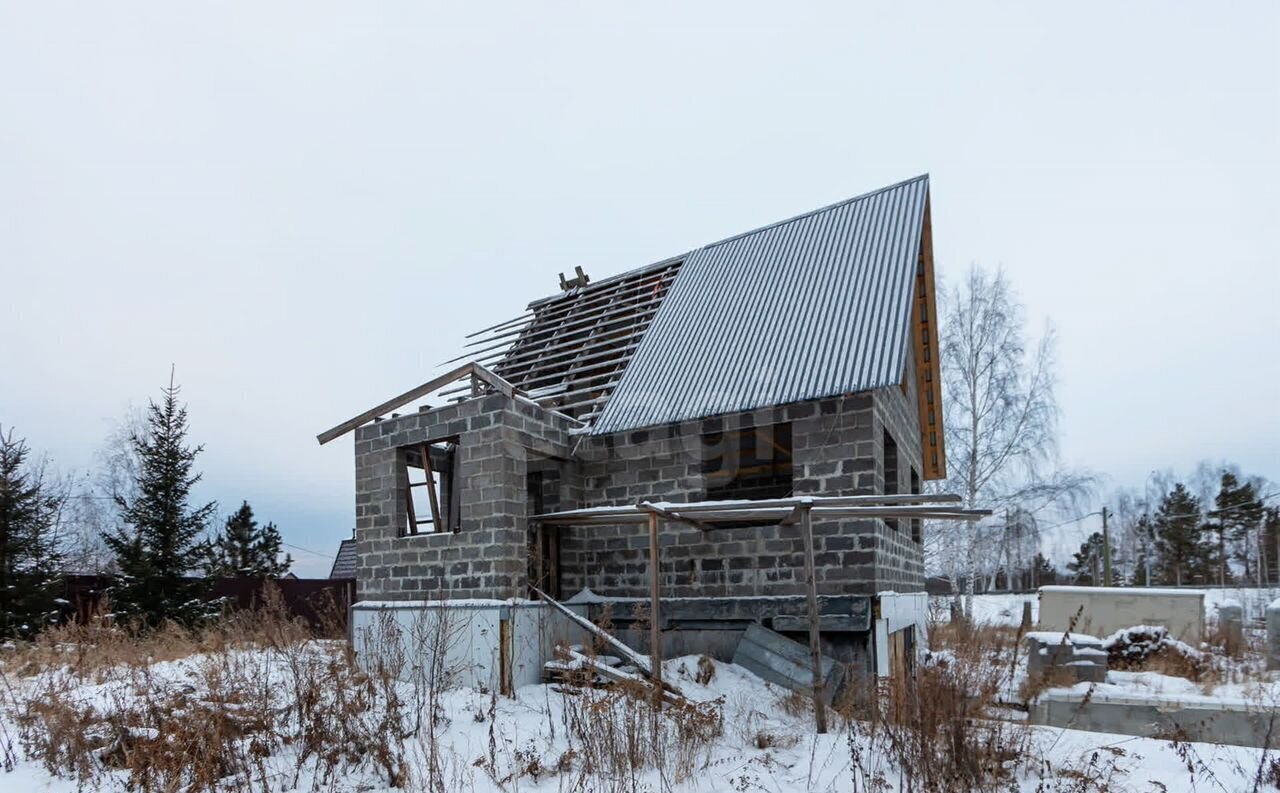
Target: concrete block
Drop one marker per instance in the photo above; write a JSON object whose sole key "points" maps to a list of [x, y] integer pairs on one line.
{"points": [[1273, 635]]}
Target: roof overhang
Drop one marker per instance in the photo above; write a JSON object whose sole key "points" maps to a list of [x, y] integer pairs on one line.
{"points": [[481, 380], [924, 337]]}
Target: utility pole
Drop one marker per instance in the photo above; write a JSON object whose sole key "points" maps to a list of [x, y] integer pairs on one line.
{"points": [[1106, 550]]}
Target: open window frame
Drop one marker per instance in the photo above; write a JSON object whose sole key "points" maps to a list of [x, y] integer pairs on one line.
{"points": [[432, 488]]}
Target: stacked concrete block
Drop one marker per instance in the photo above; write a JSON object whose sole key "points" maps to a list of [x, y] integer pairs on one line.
{"points": [[1231, 624], [1273, 635], [1078, 655]]}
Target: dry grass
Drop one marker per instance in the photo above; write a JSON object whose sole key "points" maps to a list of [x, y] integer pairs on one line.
{"points": [[945, 727], [254, 702]]}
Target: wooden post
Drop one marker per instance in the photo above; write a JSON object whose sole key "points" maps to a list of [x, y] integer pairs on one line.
{"points": [[811, 591], [436, 524], [655, 613]]}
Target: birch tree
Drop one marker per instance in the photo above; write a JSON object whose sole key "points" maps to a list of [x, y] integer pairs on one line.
{"points": [[1000, 411]]}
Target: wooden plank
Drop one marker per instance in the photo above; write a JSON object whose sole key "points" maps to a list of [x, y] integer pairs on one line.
{"points": [[436, 523], [656, 510], [603, 669], [832, 623], [498, 383], [505, 654], [408, 495], [924, 334], [391, 404], [655, 605], [633, 657], [815, 647]]}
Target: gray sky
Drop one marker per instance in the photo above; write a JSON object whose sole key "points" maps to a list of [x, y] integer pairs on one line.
{"points": [[305, 207]]}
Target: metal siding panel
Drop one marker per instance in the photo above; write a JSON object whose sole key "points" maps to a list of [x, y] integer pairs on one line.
{"points": [[815, 306]]}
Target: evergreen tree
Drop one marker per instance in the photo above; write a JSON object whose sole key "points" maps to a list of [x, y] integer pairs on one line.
{"points": [[160, 543], [1180, 552], [1086, 563], [246, 549], [1043, 573], [30, 554], [1238, 516], [1269, 553]]}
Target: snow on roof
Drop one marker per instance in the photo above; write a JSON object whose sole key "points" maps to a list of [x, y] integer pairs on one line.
{"points": [[1125, 591], [1060, 637]]}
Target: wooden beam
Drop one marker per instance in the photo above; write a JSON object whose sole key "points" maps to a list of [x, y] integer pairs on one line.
{"points": [[655, 611], [656, 510], [924, 338], [408, 493], [391, 404], [500, 385], [811, 593], [436, 524], [603, 669], [473, 370]]}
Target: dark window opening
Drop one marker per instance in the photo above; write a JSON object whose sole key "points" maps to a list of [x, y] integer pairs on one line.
{"points": [[428, 474], [890, 472], [748, 463], [915, 522]]}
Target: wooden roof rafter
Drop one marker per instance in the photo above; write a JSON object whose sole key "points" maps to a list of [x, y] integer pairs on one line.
{"points": [[571, 349], [479, 376]]}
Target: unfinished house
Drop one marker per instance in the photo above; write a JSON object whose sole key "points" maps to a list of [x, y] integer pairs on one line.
{"points": [[788, 369]]}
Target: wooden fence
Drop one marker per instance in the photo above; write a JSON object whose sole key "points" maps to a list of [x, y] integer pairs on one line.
{"points": [[315, 600]]}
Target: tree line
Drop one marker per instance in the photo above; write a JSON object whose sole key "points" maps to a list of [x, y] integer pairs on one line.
{"points": [[1214, 528], [134, 523], [1001, 423]]}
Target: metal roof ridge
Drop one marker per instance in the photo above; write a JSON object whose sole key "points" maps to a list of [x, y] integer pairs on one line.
{"points": [[812, 212], [672, 259]]}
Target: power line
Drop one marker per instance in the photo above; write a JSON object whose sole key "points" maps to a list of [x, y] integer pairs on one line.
{"points": [[307, 550], [1257, 501]]}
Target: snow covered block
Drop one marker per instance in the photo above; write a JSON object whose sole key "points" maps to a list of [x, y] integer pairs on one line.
{"points": [[1104, 610]]}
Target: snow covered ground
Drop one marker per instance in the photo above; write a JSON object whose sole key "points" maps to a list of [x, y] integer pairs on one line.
{"points": [[488, 744]]}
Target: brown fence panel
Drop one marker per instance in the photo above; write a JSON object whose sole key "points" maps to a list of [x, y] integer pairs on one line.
{"points": [[315, 600]]}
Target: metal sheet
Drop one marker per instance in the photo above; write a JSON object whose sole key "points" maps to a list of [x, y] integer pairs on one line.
{"points": [[810, 307]]}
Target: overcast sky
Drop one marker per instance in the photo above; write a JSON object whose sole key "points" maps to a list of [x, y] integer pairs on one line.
{"points": [[304, 207]]}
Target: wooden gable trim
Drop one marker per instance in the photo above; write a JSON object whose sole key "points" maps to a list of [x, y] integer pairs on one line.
{"points": [[477, 373], [924, 338]]}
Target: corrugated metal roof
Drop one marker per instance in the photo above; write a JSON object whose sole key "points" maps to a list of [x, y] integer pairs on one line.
{"points": [[814, 306]]}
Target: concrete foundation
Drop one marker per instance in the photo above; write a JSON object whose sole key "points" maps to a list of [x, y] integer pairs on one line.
{"points": [[488, 645], [1190, 719]]}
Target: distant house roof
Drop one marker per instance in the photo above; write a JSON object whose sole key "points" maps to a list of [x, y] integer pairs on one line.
{"points": [[814, 306], [344, 564]]}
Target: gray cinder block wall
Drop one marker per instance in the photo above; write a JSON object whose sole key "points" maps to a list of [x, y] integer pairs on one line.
{"points": [[837, 449], [488, 556]]}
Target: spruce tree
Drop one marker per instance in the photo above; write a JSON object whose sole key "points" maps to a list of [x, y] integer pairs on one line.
{"points": [[1087, 560], [1181, 556], [1043, 572], [1238, 516], [245, 549], [160, 544], [30, 554], [1269, 551]]}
